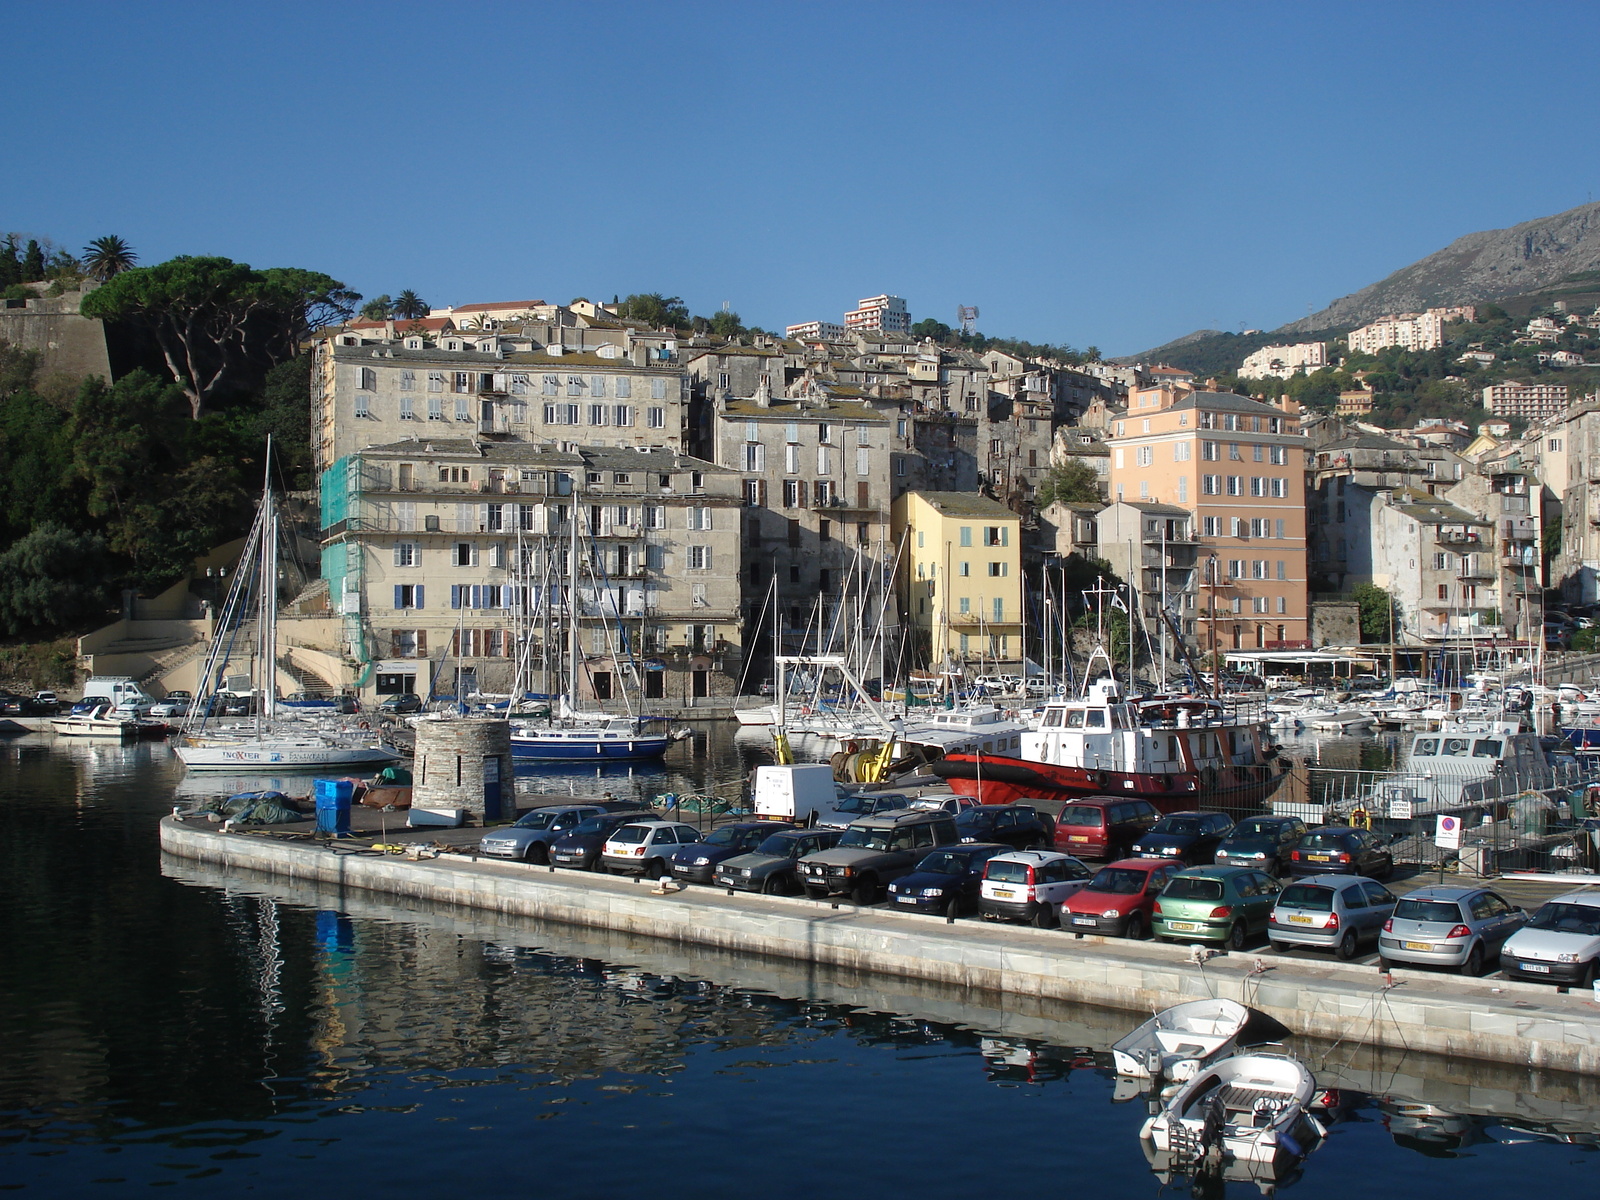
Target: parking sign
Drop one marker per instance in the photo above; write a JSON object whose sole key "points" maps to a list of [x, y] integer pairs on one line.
{"points": [[1447, 833]]}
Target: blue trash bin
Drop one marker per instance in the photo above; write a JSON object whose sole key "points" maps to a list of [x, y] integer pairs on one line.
{"points": [[333, 804]]}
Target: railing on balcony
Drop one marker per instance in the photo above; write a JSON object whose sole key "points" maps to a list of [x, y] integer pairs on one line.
{"points": [[1460, 537]]}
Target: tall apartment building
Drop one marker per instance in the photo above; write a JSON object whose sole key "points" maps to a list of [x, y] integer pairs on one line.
{"points": [[1238, 466], [816, 331], [888, 313], [1281, 362], [1535, 401], [961, 575], [1410, 331]]}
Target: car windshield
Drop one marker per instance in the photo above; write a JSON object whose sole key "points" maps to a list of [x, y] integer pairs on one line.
{"points": [[1427, 910], [1325, 841], [777, 845], [594, 825], [1567, 918], [854, 804], [1256, 829], [945, 862], [864, 839], [974, 817], [1305, 895], [540, 818], [1006, 872], [1192, 887], [1181, 825], [726, 836], [1081, 815], [631, 833], [1119, 881]]}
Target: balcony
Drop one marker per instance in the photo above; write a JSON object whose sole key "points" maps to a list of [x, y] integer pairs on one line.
{"points": [[1182, 538], [1459, 537], [1523, 529], [1478, 572]]}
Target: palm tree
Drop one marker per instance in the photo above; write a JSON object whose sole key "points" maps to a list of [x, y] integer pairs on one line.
{"points": [[410, 306], [380, 308], [108, 256]]}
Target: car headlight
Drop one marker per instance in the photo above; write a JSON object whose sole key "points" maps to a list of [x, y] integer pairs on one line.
{"points": [[847, 871], [702, 860], [1112, 913], [933, 891], [1259, 854], [1566, 958], [744, 872]]}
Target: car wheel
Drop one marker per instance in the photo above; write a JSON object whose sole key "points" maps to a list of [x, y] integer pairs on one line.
{"points": [[656, 868], [1236, 936], [865, 891], [1044, 917], [770, 886], [1474, 962], [1280, 947], [1134, 930], [538, 854], [1346, 949], [953, 908], [598, 867]]}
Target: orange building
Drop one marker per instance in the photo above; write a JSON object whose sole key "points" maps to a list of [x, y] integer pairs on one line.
{"points": [[1239, 466]]}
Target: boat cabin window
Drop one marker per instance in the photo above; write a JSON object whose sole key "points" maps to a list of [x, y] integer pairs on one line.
{"points": [[1456, 747], [1075, 718], [1052, 718], [1487, 748], [1426, 746], [1095, 718], [1120, 719]]}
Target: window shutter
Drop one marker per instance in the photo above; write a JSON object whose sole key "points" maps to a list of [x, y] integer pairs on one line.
{"points": [[705, 518], [398, 597], [422, 643], [417, 595], [455, 595]]}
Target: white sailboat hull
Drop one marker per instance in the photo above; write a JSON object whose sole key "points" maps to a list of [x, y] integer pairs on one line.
{"points": [[280, 755]]}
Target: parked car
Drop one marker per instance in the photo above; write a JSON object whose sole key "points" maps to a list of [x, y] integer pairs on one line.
{"points": [[1460, 927], [346, 705], [1119, 899], [770, 867], [1020, 826], [580, 848], [1336, 912], [645, 847], [946, 881], [405, 702], [1215, 904], [1264, 842], [875, 851], [697, 863], [173, 704], [89, 703], [1559, 944], [1103, 826], [863, 804], [237, 706], [954, 805], [1192, 837], [528, 838], [1341, 850], [1030, 885]]}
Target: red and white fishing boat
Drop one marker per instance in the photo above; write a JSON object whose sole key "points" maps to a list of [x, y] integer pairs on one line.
{"points": [[1177, 752]]}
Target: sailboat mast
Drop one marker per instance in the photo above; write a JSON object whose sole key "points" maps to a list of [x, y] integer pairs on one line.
{"points": [[572, 600], [267, 627]]}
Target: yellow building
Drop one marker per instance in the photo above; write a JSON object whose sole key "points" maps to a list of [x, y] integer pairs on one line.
{"points": [[961, 574]]}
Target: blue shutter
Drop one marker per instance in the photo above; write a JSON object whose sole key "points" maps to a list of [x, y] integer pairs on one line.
{"points": [[398, 597], [476, 600], [416, 593], [455, 595]]}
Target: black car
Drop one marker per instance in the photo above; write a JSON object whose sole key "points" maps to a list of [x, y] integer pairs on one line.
{"points": [[1019, 826], [1192, 837], [1262, 842], [581, 848], [946, 881], [769, 868], [697, 862], [1341, 850], [405, 702]]}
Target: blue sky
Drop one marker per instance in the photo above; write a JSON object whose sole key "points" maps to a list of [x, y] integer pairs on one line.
{"points": [[1105, 174]]}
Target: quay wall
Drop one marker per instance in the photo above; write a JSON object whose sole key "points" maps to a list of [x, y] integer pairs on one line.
{"points": [[1525, 1025]]}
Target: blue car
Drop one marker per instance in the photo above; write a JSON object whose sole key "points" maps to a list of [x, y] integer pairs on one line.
{"points": [[695, 863], [946, 881]]}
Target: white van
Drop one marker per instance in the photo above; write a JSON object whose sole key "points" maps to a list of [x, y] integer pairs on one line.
{"points": [[793, 793], [125, 695]]}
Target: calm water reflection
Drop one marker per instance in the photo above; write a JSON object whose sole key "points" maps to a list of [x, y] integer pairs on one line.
{"points": [[165, 1026]]}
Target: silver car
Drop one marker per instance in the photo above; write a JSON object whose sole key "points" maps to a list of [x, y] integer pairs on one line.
{"points": [[1460, 927], [863, 804], [1335, 912], [529, 838]]}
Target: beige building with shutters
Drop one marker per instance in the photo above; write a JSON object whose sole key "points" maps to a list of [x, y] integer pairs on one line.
{"points": [[961, 576]]}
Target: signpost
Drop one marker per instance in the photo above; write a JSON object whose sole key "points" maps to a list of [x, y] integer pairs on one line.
{"points": [[1446, 836]]}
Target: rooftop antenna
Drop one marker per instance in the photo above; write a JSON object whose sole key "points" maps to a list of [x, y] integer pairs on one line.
{"points": [[967, 317]]}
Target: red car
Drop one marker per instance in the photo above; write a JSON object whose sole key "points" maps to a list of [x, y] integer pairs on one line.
{"points": [[1103, 826], [1118, 900]]}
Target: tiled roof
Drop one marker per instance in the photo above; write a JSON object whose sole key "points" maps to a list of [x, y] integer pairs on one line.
{"points": [[966, 504]]}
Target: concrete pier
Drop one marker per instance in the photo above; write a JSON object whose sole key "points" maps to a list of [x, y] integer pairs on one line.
{"points": [[1517, 1024]]}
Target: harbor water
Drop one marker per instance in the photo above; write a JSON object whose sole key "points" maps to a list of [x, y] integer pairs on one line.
{"points": [[168, 1027]]}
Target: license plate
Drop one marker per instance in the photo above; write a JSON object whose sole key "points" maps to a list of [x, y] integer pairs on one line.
{"points": [[999, 895], [1296, 920], [1083, 920], [1318, 857], [1536, 968], [907, 899], [1077, 837], [1417, 945], [1185, 925]]}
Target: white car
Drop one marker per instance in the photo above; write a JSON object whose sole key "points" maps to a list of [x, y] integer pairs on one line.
{"points": [[1030, 885], [645, 847], [175, 704], [1559, 944]]}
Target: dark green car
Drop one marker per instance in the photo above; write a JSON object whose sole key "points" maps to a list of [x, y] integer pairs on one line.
{"points": [[1215, 904]]}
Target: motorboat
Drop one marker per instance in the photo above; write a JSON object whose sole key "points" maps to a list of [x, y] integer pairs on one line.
{"points": [[1254, 1108], [609, 739], [1178, 1041], [99, 723], [221, 752]]}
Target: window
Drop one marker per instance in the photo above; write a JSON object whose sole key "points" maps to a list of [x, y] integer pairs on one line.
{"points": [[1233, 452], [996, 535], [1230, 421], [965, 603], [1237, 527], [699, 558], [1211, 526], [824, 460], [1258, 604], [408, 409], [463, 554], [1116, 458], [699, 518], [1444, 591], [560, 414], [1208, 420], [824, 433], [519, 385], [999, 570], [1258, 568], [656, 418], [1211, 485], [1281, 573], [1235, 485], [966, 535], [792, 493], [407, 554], [1183, 488], [995, 448], [1180, 451], [363, 405], [1441, 562], [822, 492], [408, 595], [1278, 455], [599, 414], [1277, 526], [597, 386], [574, 385], [408, 381], [999, 608], [435, 408], [1144, 489], [900, 428], [965, 569], [1283, 603], [367, 379], [863, 462], [1146, 426], [755, 457], [463, 409], [624, 388], [1210, 451], [622, 415], [1259, 526], [824, 531], [1236, 568], [655, 516], [1256, 452], [658, 389], [1146, 455]]}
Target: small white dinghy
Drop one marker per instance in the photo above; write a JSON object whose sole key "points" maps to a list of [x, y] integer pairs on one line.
{"points": [[1251, 1107], [1177, 1042]]}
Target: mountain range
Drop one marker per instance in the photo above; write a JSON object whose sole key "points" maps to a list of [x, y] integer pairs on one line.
{"points": [[1532, 258]]}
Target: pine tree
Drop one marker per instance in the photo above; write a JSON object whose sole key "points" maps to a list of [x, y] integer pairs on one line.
{"points": [[33, 262]]}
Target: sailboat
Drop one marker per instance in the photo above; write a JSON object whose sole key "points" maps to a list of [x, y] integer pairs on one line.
{"points": [[263, 744], [577, 736]]}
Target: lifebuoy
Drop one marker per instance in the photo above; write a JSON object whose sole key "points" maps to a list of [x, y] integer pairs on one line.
{"points": [[364, 725], [1100, 779]]}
